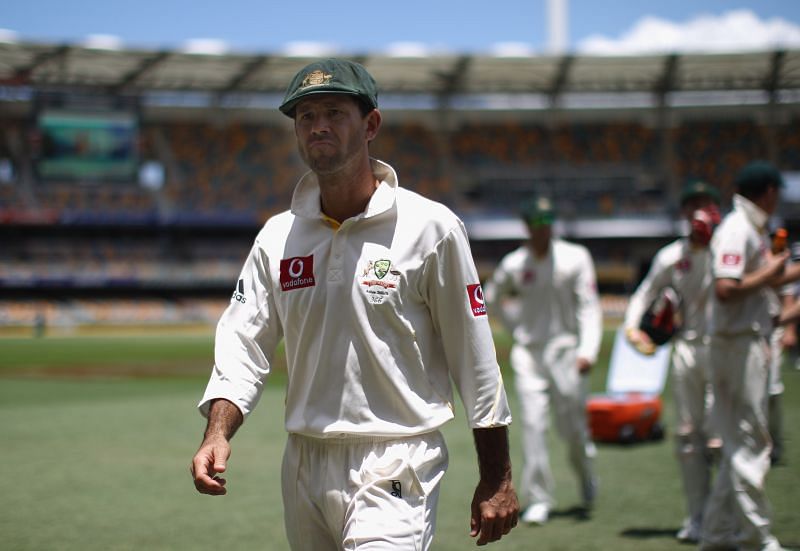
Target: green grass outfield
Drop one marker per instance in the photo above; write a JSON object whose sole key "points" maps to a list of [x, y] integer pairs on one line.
{"points": [[97, 433]]}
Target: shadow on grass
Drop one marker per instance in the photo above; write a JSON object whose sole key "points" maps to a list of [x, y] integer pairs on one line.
{"points": [[649, 533], [579, 514]]}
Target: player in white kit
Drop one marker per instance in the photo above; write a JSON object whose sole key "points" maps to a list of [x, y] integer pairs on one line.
{"points": [[684, 266], [374, 292], [556, 330], [744, 310]]}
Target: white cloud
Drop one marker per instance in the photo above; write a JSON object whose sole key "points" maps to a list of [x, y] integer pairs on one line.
{"points": [[103, 42], [9, 36], [737, 30], [205, 46], [512, 49], [408, 49], [309, 49]]}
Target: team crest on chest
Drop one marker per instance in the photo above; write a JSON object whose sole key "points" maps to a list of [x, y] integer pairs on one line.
{"points": [[378, 280]]}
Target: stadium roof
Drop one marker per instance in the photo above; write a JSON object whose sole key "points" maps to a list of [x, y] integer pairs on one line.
{"points": [[48, 66]]}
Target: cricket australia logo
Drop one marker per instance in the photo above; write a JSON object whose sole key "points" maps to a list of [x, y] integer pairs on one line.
{"points": [[378, 280], [297, 272], [316, 78]]}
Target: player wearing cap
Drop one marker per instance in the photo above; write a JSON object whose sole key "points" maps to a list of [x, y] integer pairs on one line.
{"points": [[556, 331], [685, 267], [744, 308], [374, 291]]}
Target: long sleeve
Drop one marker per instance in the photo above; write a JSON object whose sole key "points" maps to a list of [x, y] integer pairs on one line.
{"points": [[458, 311], [246, 337], [589, 311], [658, 277], [498, 287]]}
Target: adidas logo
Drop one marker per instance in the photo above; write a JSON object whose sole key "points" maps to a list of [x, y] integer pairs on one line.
{"points": [[238, 294]]}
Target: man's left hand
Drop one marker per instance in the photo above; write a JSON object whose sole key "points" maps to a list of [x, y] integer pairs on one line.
{"points": [[495, 510]]}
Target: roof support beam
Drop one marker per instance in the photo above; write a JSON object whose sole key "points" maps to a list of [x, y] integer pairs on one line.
{"points": [[773, 81], [556, 87], [144, 67], [23, 74], [666, 83], [772, 84], [248, 69], [452, 81]]}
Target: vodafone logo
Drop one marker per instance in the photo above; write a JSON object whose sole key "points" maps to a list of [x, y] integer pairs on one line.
{"points": [[730, 259], [476, 301], [297, 272], [296, 267]]}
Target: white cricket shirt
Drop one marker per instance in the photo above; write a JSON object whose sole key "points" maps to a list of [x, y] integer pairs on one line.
{"points": [[740, 247], [686, 269], [557, 296], [377, 317]]}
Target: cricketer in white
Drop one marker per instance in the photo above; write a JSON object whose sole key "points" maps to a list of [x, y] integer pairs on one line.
{"points": [[374, 291]]}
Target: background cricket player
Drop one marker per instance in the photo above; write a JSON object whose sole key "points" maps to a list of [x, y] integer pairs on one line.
{"points": [[685, 266], [744, 310], [556, 331]]}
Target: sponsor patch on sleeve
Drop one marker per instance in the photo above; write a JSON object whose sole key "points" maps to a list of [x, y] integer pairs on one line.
{"points": [[731, 259], [476, 302], [297, 272]]}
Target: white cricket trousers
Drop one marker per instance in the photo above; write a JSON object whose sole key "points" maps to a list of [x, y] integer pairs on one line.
{"points": [[362, 493], [738, 511], [691, 387], [544, 376]]}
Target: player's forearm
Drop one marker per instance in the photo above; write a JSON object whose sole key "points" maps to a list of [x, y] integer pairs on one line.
{"points": [[494, 461], [732, 289], [790, 315], [790, 274], [224, 418]]}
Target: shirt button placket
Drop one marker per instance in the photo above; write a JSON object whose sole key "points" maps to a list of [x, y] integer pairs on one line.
{"points": [[335, 264]]}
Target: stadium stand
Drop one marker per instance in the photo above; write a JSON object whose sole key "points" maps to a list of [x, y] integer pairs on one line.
{"points": [[107, 250]]}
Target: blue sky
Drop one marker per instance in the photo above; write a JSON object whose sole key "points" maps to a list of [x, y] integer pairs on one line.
{"points": [[602, 26]]}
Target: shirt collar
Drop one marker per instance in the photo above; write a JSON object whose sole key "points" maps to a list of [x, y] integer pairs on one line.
{"points": [[751, 211], [306, 197]]}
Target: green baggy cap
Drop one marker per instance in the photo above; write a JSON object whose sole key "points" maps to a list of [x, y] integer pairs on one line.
{"points": [[330, 76], [699, 188], [758, 176], [538, 212]]}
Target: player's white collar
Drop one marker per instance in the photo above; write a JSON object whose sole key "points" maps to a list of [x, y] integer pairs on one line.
{"points": [[306, 197], [752, 212]]}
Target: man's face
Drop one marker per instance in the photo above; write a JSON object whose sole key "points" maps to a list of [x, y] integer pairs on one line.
{"points": [[695, 203], [540, 236], [772, 198], [331, 132]]}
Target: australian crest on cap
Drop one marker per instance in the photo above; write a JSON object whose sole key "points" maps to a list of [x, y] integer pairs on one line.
{"points": [[315, 78]]}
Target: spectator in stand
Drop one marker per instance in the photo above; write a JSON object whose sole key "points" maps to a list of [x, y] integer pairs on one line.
{"points": [[684, 268]]}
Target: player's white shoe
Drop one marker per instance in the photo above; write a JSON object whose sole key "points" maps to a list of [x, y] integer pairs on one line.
{"points": [[538, 513], [690, 533], [772, 545]]}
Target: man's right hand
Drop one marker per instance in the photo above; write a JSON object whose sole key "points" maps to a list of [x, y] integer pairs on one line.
{"points": [[210, 461]]}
